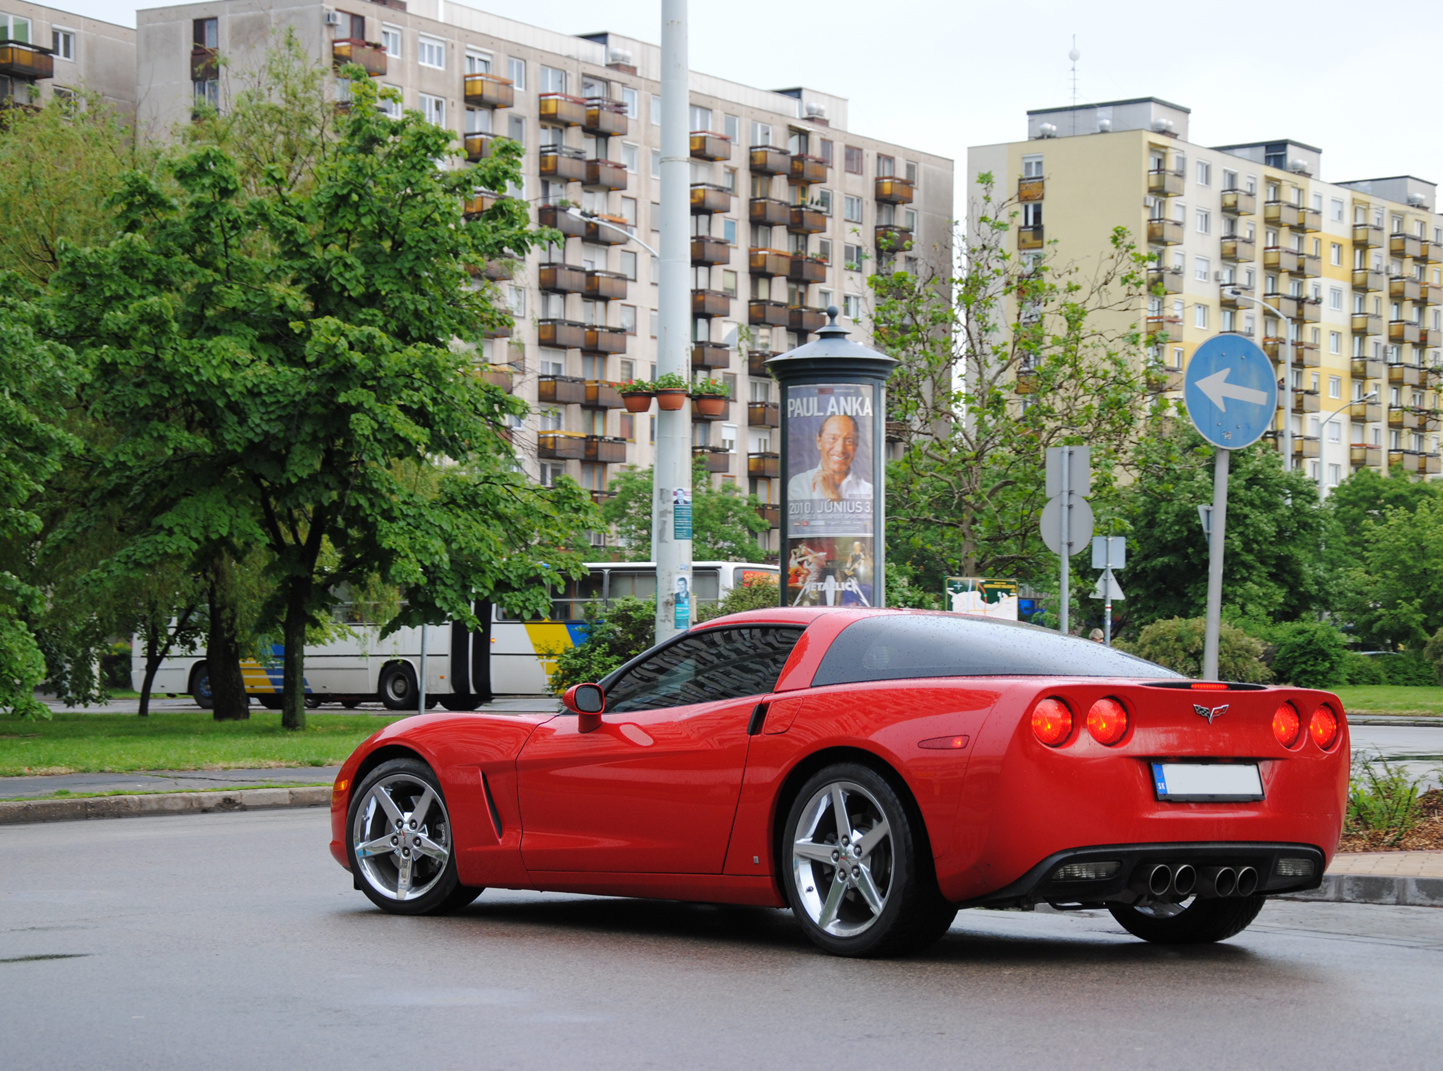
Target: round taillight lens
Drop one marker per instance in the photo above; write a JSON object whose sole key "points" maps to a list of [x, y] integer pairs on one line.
{"points": [[1324, 727], [1052, 721], [1107, 721], [1287, 726]]}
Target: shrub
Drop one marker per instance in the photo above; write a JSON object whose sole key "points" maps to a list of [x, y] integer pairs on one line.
{"points": [[1309, 655], [628, 628], [115, 665], [1358, 669], [1382, 798], [760, 594], [1407, 668], [1177, 643], [1433, 653]]}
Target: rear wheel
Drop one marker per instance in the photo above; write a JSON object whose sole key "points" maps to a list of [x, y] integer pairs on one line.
{"points": [[855, 867], [1192, 922], [200, 686], [398, 687]]}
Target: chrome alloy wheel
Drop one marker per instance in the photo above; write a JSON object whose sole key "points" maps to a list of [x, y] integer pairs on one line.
{"points": [[402, 837], [842, 859]]}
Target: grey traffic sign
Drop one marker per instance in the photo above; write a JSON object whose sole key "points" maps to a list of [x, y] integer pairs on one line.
{"points": [[1109, 552], [1079, 470], [1079, 524], [1231, 391], [1108, 588]]}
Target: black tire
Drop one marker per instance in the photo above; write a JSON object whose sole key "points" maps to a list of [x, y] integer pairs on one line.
{"points": [[271, 702], [398, 687], [1200, 922], [456, 702], [890, 868], [200, 687], [405, 783], [313, 701], [350, 704]]}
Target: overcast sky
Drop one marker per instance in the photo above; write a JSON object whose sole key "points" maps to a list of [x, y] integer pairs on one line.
{"points": [[941, 75]]}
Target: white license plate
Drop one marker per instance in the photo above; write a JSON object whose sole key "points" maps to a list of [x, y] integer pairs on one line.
{"points": [[1207, 782]]}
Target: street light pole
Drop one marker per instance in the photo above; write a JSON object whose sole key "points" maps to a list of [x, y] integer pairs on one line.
{"points": [[1323, 438], [592, 217], [1287, 345]]}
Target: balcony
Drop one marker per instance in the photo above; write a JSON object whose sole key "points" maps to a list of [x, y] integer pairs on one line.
{"points": [[724, 414], [806, 319], [1309, 266], [1404, 417], [1239, 203], [1163, 182], [1367, 235], [757, 362], [499, 271], [489, 91], [1300, 354], [560, 446], [604, 117], [806, 170], [1282, 213], [1432, 251], [770, 211], [1159, 232], [1367, 368], [1237, 249], [1164, 280], [895, 191], [1025, 381], [204, 63], [557, 109], [892, 237], [1278, 258], [561, 279], [1366, 323], [604, 450], [1404, 375], [710, 356], [1433, 464], [602, 395], [1235, 297], [806, 270], [560, 390], [605, 285], [1287, 306], [572, 226], [764, 415], [1404, 288], [1430, 294], [1310, 310], [1368, 281], [804, 220], [1408, 460], [717, 458], [706, 197], [370, 56], [605, 175], [771, 514], [498, 331], [602, 339], [764, 464], [1429, 337], [1030, 189], [1305, 446], [1403, 331], [1405, 245], [562, 165], [478, 146], [499, 376], [710, 303], [771, 262], [1162, 329], [710, 251], [561, 334], [1309, 220], [1364, 454], [708, 146], [767, 314], [617, 233], [1367, 412], [769, 160]]}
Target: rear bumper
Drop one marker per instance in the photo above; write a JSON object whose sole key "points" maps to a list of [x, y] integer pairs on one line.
{"points": [[1039, 884]]}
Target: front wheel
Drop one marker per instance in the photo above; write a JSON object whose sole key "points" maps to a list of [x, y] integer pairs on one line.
{"points": [[1193, 922], [401, 842], [855, 867], [398, 687], [200, 686]]}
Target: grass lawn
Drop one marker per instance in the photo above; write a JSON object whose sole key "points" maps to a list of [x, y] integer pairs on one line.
{"points": [[98, 743], [1390, 699]]}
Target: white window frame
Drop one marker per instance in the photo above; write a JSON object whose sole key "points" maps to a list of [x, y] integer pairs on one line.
{"points": [[392, 39], [1204, 173], [434, 47], [1200, 316], [1202, 269], [1204, 221], [433, 109], [516, 71], [60, 36], [852, 208]]}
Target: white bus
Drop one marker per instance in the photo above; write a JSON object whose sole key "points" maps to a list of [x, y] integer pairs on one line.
{"points": [[508, 656]]}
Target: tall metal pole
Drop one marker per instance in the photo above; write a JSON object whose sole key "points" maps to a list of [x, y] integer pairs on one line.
{"points": [[421, 691], [1065, 541], [1215, 565], [671, 544], [1107, 596]]}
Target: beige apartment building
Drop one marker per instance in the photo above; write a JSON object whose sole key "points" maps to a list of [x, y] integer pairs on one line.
{"points": [[788, 208], [46, 52], [1353, 270]]}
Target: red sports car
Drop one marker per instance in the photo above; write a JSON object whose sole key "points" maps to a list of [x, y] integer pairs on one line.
{"points": [[873, 770]]}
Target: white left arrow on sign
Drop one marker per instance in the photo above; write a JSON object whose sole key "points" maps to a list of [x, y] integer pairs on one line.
{"points": [[1218, 390]]}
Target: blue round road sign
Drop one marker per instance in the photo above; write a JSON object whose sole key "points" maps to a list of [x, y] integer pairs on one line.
{"points": [[1230, 391]]}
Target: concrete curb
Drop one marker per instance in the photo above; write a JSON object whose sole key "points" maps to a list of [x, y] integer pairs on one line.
{"points": [[1375, 889], [18, 812]]}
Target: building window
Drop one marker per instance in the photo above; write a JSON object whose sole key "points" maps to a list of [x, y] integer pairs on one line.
{"points": [[1335, 253], [630, 102], [433, 109], [852, 159], [208, 91], [822, 201], [628, 319], [476, 63], [1202, 269], [1204, 173], [1335, 299], [824, 150], [62, 43], [852, 256], [1230, 179], [553, 80], [1200, 316], [205, 33], [700, 117], [729, 231], [630, 157], [516, 71], [1335, 345], [1204, 221], [655, 110], [1032, 166], [391, 40], [431, 52], [761, 133], [516, 126], [656, 163], [852, 306], [886, 166], [729, 283], [824, 252], [851, 208]]}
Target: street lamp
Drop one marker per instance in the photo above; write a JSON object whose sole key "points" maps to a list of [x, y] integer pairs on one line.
{"points": [[592, 217], [1323, 438], [1236, 293]]}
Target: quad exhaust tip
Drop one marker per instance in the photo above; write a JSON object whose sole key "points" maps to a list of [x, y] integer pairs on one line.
{"points": [[1184, 879]]}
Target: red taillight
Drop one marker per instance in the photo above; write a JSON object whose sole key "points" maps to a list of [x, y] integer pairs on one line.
{"points": [[1107, 721], [1052, 721], [1324, 727], [1287, 725]]}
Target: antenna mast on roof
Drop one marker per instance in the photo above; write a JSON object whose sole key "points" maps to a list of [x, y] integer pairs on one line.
{"points": [[1074, 56]]}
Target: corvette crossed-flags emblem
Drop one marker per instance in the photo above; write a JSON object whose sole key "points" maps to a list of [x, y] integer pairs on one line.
{"points": [[1210, 714]]}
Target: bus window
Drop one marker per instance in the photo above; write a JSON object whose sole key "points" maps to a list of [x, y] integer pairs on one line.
{"points": [[745, 577], [705, 585], [570, 604], [633, 585]]}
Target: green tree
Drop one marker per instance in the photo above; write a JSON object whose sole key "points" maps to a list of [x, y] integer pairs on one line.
{"points": [[614, 636], [1310, 655], [760, 594], [724, 523], [1393, 597]]}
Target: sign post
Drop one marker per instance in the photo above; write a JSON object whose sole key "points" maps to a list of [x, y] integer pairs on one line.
{"points": [[1231, 397], [1108, 553], [1067, 517]]}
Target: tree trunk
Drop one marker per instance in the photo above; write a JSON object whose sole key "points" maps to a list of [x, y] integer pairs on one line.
{"points": [[222, 655], [293, 699], [154, 657]]}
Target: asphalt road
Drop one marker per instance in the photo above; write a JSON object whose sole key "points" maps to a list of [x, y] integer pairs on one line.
{"points": [[234, 941]]}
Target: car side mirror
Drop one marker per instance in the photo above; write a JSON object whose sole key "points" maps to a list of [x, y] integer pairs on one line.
{"points": [[584, 699]]}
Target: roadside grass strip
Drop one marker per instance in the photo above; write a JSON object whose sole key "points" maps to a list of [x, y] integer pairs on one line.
{"points": [[1386, 699]]}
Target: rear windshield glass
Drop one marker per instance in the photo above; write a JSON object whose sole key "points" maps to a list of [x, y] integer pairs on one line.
{"points": [[895, 647]]}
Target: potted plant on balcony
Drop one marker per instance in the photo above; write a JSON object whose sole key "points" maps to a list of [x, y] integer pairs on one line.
{"points": [[710, 397], [670, 391], [636, 395]]}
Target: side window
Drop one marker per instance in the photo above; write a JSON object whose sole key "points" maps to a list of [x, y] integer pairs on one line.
{"points": [[706, 667]]}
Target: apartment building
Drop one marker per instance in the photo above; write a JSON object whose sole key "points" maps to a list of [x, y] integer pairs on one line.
{"points": [[45, 52], [789, 209], [1353, 271]]}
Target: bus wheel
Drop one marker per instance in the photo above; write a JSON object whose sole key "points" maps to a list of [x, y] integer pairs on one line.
{"points": [[350, 704], [200, 686], [398, 687], [313, 701]]}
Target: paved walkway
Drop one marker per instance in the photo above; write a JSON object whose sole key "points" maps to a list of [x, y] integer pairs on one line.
{"points": [[144, 781], [1396, 864]]}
